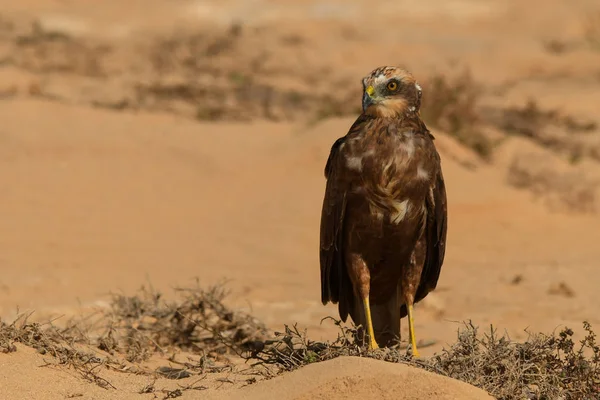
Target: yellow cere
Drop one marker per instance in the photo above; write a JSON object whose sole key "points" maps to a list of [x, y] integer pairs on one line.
{"points": [[370, 90]]}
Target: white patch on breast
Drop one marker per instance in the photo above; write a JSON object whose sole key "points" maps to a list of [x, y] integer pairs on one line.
{"points": [[418, 87], [422, 173], [409, 147], [354, 163], [401, 208]]}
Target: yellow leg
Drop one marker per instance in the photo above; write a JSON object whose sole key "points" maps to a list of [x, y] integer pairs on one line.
{"points": [[371, 332], [411, 329]]}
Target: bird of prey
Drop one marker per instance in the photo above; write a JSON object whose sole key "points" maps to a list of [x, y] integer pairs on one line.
{"points": [[384, 216]]}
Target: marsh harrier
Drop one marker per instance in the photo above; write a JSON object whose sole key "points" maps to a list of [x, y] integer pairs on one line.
{"points": [[384, 217]]}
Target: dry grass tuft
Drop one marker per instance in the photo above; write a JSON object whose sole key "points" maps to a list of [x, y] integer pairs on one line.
{"points": [[194, 71], [136, 327], [530, 119], [570, 190], [549, 128], [66, 346], [197, 322], [40, 50], [451, 105], [543, 367]]}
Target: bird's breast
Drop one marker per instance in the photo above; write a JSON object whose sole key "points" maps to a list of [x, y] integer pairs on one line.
{"points": [[392, 178]]}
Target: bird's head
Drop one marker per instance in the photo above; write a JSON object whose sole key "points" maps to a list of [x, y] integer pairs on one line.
{"points": [[390, 92]]}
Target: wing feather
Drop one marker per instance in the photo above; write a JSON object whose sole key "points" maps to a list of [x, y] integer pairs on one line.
{"points": [[435, 237], [332, 223], [435, 231], [336, 286]]}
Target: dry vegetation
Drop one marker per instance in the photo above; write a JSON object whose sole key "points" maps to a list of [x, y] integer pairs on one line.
{"points": [[230, 74], [570, 190], [209, 73], [451, 105], [542, 367], [198, 322], [137, 327], [589, 39], [562, 134]]}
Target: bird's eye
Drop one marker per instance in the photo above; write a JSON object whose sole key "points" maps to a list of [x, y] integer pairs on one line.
{"points": [[392, 86]]}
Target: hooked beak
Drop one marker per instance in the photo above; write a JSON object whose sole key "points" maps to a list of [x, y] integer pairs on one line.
{"points": [[367, 99]]}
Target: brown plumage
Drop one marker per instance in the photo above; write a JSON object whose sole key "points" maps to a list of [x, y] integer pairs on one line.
{"points": [[383, 224]]}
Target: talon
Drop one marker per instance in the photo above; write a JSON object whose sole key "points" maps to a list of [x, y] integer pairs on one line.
{"points": [[373, 344], [415, 353]]}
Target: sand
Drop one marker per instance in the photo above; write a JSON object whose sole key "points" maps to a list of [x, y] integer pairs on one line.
{"points": [[98, 198], [357, 378]]}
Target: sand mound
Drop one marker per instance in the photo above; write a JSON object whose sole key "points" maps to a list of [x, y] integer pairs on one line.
{"points": [[340, 378], [356, 378]]}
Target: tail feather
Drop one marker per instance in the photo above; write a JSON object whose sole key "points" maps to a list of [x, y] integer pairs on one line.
{"points": [[386, 321]]}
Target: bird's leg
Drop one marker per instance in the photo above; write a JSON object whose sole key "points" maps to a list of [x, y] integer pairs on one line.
{"points": [[410, 282], [371, 332], [411, 326], [361, 280]]}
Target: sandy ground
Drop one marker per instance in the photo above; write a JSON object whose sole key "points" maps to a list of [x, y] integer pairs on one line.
{"points": [[95, 200]]}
